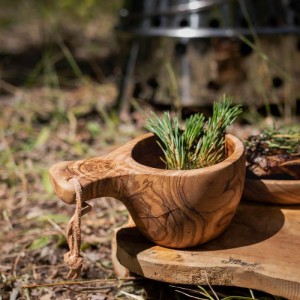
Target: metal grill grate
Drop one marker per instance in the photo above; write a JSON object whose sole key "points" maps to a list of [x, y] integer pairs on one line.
{"points": [[199, 39], [209, 18]]}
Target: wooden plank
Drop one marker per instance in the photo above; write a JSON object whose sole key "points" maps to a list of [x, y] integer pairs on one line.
{"points": [[259, 250]]}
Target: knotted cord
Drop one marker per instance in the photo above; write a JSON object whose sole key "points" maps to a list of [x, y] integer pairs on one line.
{"points": [[73, 258]]}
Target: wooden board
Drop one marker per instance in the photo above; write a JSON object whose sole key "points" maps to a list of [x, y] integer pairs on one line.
{"points": [[259, 250]]}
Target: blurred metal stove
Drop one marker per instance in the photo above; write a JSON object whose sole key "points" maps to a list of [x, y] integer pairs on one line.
{"points": [[179, 33]]}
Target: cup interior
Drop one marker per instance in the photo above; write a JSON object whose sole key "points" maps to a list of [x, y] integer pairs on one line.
{"points": [[148, 153]]}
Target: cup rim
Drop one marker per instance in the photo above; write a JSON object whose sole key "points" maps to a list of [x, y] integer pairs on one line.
{"points": [[235, 156]]}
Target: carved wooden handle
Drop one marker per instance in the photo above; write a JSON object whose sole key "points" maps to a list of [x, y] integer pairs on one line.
{"points": [[96, 177], [60, 175]]}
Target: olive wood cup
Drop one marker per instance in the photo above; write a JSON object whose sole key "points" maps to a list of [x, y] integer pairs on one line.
{"points": [[172, 208]]}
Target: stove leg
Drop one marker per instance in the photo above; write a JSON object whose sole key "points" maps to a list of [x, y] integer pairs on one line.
{"points": [[126, 85]]}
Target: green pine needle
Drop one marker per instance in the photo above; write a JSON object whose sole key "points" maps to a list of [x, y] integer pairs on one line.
{"points": [[201, 143]]}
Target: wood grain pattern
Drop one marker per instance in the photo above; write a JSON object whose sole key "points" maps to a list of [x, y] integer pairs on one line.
{"points": [[172, 208], [272, 191], [259, 250]]}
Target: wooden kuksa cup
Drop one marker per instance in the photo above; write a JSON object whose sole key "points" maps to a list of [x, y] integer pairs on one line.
{"points": [[172, 208]]}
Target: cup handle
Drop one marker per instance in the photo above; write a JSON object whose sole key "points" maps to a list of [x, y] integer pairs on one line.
{"points": [[60, 175], [89, 173]]}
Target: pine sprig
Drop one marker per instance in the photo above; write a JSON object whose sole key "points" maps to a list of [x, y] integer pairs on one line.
{"points": [[201, 143], [170, 139], [212, 148]]}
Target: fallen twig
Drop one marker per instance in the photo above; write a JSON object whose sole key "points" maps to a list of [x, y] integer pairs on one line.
{"points": [[32, 286]]}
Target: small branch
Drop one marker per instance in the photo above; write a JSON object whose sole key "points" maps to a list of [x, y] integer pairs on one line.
{"points": [[55, 225], [32, 286]]}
